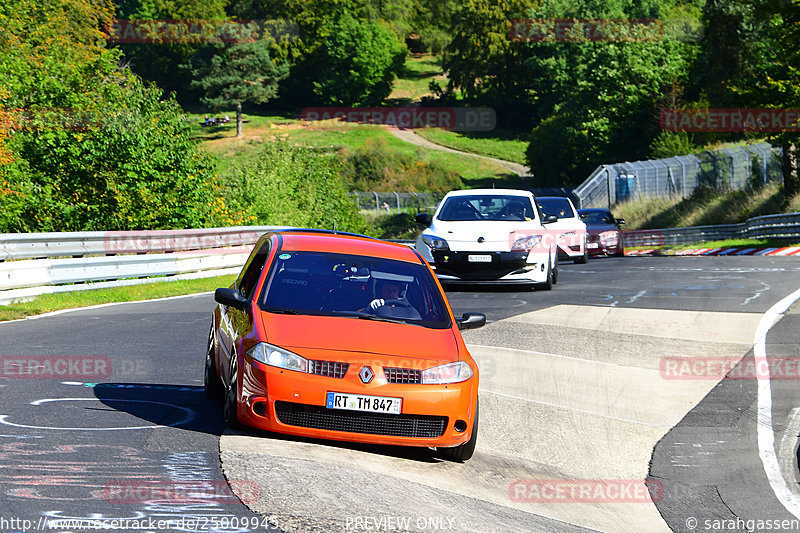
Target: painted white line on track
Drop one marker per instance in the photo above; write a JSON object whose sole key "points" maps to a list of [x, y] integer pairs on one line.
{"points": [[98, 306], [766, 433]]}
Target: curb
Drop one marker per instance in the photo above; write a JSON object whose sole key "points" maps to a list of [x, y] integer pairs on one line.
{"points": [[784, 251]]}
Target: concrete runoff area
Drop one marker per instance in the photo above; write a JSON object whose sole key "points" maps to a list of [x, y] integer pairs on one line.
{"points": [[568, 394]]}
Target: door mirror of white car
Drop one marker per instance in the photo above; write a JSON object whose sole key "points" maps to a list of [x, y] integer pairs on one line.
{"points": [[620, 221], [423, 218], [471, 321]]}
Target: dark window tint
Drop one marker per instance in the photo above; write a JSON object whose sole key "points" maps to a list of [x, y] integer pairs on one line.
{"points": [[556, 206]]}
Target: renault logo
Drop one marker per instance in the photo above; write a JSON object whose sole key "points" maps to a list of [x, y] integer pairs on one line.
{"points": [[366, 374]]}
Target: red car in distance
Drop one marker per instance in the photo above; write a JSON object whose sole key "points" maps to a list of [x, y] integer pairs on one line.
{"points": [[604, 233]]}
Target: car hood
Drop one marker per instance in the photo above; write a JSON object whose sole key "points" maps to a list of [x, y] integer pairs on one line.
{"points": [[596, 229], [345, 334], [495, 235]]}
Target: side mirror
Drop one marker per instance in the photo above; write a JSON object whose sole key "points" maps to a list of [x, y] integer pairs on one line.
{"points": [[549, 219], [471, 321], [231, 298], [423, 218], [583, 215], [620, 221]]}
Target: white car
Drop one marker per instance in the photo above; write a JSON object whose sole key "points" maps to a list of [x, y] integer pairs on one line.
{"points": [[490, 235], [572, 237]]}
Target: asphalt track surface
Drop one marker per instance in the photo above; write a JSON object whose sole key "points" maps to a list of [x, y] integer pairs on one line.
{"points": [[571, 390]]}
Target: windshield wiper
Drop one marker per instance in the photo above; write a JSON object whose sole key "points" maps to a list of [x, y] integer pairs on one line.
{"points": [[367, 316], [284, 311]]}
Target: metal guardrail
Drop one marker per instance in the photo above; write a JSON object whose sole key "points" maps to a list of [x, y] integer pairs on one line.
{"points": [[32, 264], [786, 226]]}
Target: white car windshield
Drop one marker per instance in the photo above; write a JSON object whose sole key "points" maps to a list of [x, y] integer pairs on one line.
{"points": [[486, 207]]}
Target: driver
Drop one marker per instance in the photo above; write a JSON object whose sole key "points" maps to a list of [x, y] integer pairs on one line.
{"points": [[388, 291], [517, 210]]}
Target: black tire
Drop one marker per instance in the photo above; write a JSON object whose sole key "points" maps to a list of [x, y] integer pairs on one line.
{"points": [[582, 260], [211, 382], [462, 452], [555, 273], [229, 407], [547, 285]]}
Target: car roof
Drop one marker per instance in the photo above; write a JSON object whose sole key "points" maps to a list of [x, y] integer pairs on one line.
{"points": [[552, 198], [505, 192], [344, 243], [594, 209]]}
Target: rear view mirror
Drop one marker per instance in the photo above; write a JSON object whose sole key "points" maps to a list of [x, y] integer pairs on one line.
{"points": [[423, 218], [549, 219]]}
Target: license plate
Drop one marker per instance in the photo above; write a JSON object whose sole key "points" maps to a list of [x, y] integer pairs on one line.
{"points": [[360, 402], [479, 258], [593, 245]]}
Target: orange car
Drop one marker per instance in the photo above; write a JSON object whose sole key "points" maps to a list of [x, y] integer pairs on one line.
{"points": [[340, 336]]}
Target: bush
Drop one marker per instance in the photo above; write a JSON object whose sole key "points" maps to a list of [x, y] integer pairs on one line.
{"points": [[374, 167], [357, 63], [289, 185]]}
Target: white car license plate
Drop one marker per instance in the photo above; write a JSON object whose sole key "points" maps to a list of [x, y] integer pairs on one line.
{"points": [[479, 258], [359, 402], [592, 245]]}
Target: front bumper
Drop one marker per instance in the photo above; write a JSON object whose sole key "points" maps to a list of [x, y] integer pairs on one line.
{"points": [[458, 265], [294, 403]]}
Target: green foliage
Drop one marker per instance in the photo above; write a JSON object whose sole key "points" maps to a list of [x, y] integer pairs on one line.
{"points": [[237, 74], [293, 186], [92, 148], [374, 167], [357, 63], [598, 99], [669, 144]]}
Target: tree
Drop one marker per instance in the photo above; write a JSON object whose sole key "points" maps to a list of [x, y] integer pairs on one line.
{"points": [[357, 63], [236, 74]]}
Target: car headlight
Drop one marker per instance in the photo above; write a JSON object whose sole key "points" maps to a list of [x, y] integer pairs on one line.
{"points": [[435, 243], [526, 244], [278, 357], [449, 373], [609, 238]]}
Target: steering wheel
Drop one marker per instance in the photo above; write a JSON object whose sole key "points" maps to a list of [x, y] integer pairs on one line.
{"points": [[398, 303]]}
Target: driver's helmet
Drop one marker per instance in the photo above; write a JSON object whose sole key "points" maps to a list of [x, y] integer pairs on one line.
{"points": [[516, 209], [389, 290]]}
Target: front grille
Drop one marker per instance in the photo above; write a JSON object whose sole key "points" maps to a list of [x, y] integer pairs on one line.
{"points": [[329, 369], [403, 375], [316, 417]]}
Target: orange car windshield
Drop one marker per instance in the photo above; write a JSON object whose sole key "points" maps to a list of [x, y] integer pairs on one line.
{"points": [[373, 288]]}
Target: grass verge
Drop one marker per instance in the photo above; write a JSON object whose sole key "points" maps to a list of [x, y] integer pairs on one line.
{"points": [[498, 144], [728, 243], [148, 291]]}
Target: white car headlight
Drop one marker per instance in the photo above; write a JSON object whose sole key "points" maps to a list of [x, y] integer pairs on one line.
{"points": [[278, 357], [526, 244], [435, 243], [449, 373]]}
